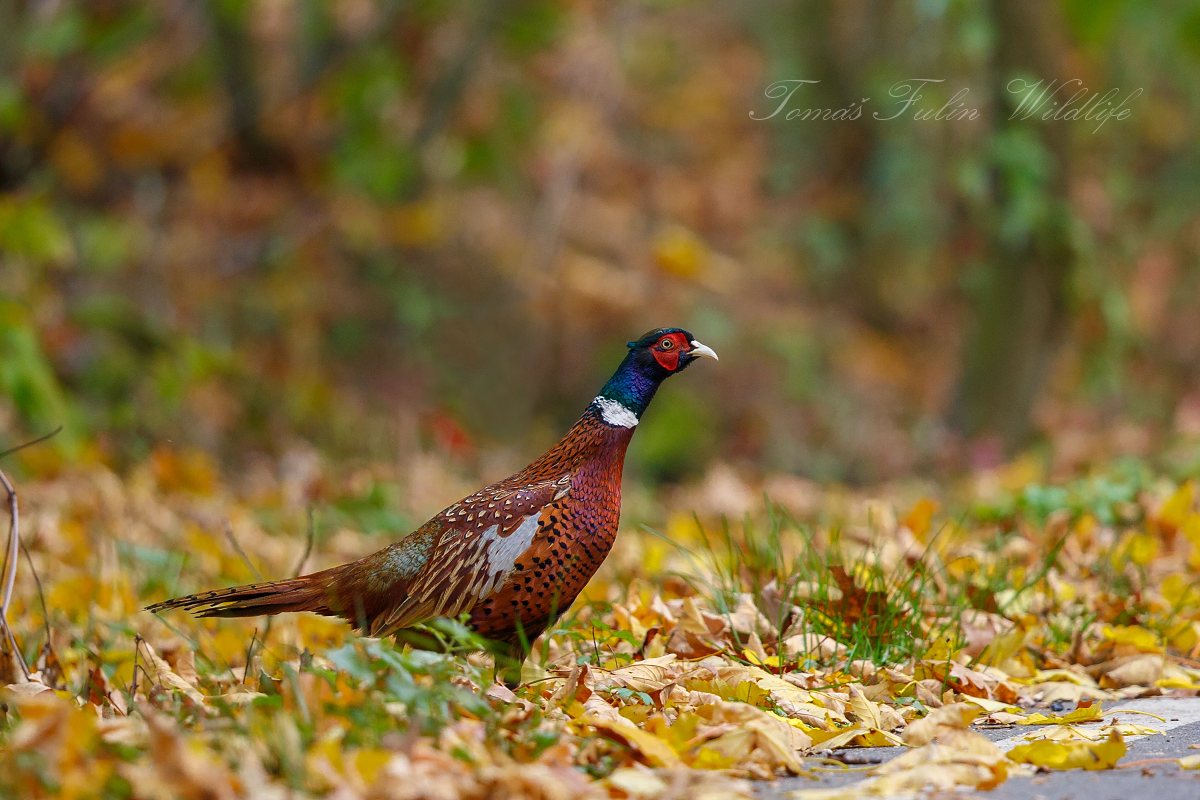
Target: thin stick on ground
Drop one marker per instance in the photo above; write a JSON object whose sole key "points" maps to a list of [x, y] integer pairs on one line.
{"points": [[228, 529], [37, 582], [31, 442], [249, 655], [14, 543], [137, 651], [310, 535], [10, 571], [14, 647], [9, 568]]}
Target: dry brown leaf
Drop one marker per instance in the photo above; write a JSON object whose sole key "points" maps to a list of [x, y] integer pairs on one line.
{"points": [[778, 741], [1138, 670], [162, 674], [956, 716], [647, 747], [960, 759], [175, 770], [652, 675]]}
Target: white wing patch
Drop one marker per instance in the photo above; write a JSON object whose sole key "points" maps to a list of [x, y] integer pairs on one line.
{"points": [[502, 552], [614, 413]]}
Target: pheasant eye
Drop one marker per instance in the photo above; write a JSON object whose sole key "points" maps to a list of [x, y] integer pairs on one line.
{"points": [[666, 344]]}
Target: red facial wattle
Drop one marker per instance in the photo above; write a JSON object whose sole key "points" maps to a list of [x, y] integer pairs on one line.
{"points": [[667, 359], [668, 349]]}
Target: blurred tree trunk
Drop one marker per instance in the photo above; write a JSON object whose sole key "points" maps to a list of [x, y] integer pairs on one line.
{"points": [[235, 51], [846, 41], [11, 170], [1020, 313]]}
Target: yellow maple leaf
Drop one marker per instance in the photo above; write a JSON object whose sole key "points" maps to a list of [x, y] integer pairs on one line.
{"points": [[1070, 733], [652, 750], [1176, 508], [1142, 548], [1078, 754], [1191, 531], [759, 661], [1135, 636], [1179, 589], [1091, 713], [370, 761], [919, 517]]}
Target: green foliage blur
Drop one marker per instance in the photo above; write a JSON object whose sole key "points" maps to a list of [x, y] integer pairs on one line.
{"points": [[393, 228]]}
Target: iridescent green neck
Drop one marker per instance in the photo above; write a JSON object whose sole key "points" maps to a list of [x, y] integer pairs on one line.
{"points": [[631, 388]]}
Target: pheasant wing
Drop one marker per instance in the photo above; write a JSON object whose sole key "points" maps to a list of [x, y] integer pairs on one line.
{"points": [[481, 538]]}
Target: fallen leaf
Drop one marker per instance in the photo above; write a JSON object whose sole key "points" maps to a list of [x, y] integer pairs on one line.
{"points": [[1077, 754], [956, 716], [649, 748], [1088, 713]]}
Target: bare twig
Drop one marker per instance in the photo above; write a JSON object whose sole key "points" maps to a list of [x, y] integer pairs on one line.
{"points": [[9, 568], [32, 442], [197, 647], [308, 544], [10, 572], [12, 644], [14, 541], [249, 655], [37, 581], [137, 649], [238, 547], [152, 681], [311, 535]]}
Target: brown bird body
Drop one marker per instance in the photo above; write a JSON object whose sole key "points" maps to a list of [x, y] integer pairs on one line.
{"points": [[512, 556]]}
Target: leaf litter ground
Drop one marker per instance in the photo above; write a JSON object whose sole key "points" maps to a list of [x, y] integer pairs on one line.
{"points": [[704, 656]]}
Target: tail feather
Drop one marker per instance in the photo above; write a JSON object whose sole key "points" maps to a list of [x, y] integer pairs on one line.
{"points": [[315, 592]]}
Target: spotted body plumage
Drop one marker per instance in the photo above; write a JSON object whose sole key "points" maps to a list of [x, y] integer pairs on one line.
{"points": [[575, 532], [513, 556]]}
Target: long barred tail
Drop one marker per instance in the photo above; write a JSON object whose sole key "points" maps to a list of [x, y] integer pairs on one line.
{"points": [[313, 592]]}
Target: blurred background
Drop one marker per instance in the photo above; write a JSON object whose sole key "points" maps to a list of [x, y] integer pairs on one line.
{"points": [[381, 230]]}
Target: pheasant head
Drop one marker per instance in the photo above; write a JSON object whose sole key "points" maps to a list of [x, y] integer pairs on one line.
{"points": [[651, 359]]}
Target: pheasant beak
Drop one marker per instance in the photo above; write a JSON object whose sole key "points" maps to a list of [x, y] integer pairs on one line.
{"points": [[704, 350]]}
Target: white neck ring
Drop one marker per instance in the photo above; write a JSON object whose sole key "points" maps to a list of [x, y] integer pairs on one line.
{"points": [[614, 413]]}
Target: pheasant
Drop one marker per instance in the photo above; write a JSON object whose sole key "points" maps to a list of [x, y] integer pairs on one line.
{"points": [[514, 555]]}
